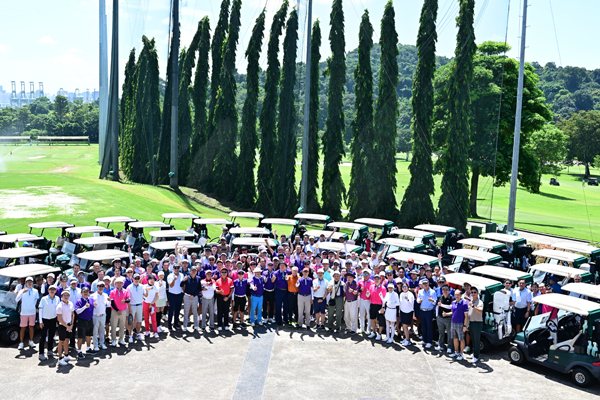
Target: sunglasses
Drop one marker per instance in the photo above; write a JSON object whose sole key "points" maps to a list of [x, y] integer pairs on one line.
{"points": [[474, 292]]}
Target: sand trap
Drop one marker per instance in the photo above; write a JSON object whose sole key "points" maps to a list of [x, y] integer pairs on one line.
{"points": [[35, 158], [39, 202]]}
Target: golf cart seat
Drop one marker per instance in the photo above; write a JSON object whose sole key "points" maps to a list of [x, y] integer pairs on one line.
{"points": [[566, 345]]}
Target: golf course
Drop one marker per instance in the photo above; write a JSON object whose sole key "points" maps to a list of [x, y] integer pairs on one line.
{"points": [[49, 183]]}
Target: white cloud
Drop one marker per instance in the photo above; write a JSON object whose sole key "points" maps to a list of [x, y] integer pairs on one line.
{"points": [[68, 59], [73, 50], [47, 40], [3, 48]]}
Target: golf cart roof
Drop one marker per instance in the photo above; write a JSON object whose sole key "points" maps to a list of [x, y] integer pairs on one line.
{"points": [[249, 241], [486, 244], [337, 246], [501, 237], [50, 225], [19, 237], [170, 244], [19, 252], [23, 271], [380, 223], [419, 259], [212, 221], [110, 220], [280, 221], [236, 214], [314, 217], [149, 224], [500, 272], [567, 303], [410, 232], [402, 243], [555, 269], [346, 225], [249, 231], [476, 255], [78, 230], [94, 240], [172, 233], [179, 216], [317, 233], [577, 247], [558, 255], [436, 228], [101, 255], [585, 289], [480, 282]]}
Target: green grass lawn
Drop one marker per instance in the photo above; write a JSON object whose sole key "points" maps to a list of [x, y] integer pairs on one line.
{"points": [[45, 183]]}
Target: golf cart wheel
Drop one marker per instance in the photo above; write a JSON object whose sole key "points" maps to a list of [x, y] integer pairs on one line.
{"points": [[582, 377], [11, 336], [516, 356], [484, 345]]}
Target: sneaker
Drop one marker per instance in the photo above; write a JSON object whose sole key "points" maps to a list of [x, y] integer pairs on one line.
{"points": [[51, 354], [421, 343], [252, 324], [159, 329], [405, 342], [80, 355], [31, 344], [96, 349], [272, 320], [42, 357], [372, 335], [20, 346], [91, 352], [62, 362], [130, 339], [420, 337], [475, 360], [453, 354], [378, 337], [156, 335], [467, 349], [449, 351], [428, 346], [438, 348], [390, 340], [140, 336], [122, 342], [459, 357], [113, 343], [220, 328], [147, 333], [226, 328], [69, 358], [103, 346]]}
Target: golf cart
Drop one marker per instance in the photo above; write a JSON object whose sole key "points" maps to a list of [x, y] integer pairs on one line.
{"points": [[258, 232], [448, 234], [500, 274], [325, 219], [250, 215], [136, 239], [517, 247], [554, 182], [115, 220], [87, 258], [200, 226], [78, 231], [21, 255], [418, 258], [542, 270], [99, 243], [592, 252], [358, 234], [253, 244], [335, 236], [383, 224], [560, 257], [296, 230], [566, 341], [337, 247], [585, 289], [159, 249], [463, 260], [10, 241], [426, 238], [592, 182], [173, 234], [392, 245], [483, 245], [172, 216], [9, 313], [55, 250], [497, 328]]}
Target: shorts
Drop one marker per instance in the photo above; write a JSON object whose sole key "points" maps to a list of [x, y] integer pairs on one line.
{"points": [[85, 328], [456, 330], [374, 313], [319, 307], [62, 333], [27, 320], [161, 302], [240, 303], [138, 313], [520, 316], [406, 318]]}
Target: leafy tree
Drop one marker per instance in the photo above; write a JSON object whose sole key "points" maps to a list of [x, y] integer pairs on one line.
{"points": [[268, 116], [333, 188], [384, 144], [359, 194], [454, 202], [226, 115], [127, 99], [417, 207], [583, 138], [246, 188], [61, 107], [199, 98], [285, 181], [549, 145]]}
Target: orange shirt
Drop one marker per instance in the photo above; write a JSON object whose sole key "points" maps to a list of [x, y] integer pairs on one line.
{"points": [[292, 283], [225, 285]]}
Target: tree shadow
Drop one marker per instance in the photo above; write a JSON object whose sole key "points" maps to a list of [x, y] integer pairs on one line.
{"points": [[555, 196], [547, 225]]}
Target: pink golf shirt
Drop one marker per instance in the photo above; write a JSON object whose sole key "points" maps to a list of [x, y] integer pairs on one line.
{"points": [[363, 286], [377, 293], [118, 295]]}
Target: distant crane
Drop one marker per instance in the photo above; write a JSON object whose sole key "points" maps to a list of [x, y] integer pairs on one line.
{"points": [[78, 95], [23, 96], [31, 92], [41, 89], [61, 92], [14, 100]]}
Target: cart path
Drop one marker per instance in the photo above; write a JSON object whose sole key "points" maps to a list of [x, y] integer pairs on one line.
{"points": [[251, 382]]}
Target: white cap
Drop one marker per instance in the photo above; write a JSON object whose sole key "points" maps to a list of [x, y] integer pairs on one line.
{"points": [[257, 269]]}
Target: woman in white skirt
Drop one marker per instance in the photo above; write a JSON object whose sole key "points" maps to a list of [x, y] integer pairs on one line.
{"points": [[407, 307], [161, 285], [389, 309]]}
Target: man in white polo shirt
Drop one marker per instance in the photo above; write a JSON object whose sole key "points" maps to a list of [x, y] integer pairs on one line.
{"points": [[101, 301], [28, 297], [136, 295], [48, 321]]}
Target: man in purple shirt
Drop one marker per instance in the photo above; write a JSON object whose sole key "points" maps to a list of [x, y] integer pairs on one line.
{"points": [[84, 307], [351, 306], [458, 324], [305, 300], [257, 289], [239, 297], [281, 292], [268, 309]]}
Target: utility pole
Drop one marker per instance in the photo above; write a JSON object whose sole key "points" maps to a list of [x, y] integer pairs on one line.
{"points": [[103, 82], [175, 100], [517, 140], [304, 181]]}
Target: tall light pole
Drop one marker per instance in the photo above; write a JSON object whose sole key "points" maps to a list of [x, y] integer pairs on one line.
{"points": [[175, 96], [514, 175], [304, 181]]}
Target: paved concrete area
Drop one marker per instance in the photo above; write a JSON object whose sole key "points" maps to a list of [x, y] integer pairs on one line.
{"points": [[278, 364]]}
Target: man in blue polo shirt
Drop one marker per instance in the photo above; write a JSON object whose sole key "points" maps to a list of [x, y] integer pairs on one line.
{"points": [[426, 298], [269, 296], [281, 289]]}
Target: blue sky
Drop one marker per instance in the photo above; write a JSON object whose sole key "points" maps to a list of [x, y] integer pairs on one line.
{"points": [[56, 42]]}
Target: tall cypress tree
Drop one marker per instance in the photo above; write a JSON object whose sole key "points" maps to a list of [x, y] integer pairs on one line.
{"points": [[312, 201], [417, 207], [268, 117], [333, 187], [127, 99], [454, 201], [226, 116], [359, 195], [246, 188], [199, 97], [384, 145], [285, 185]]}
